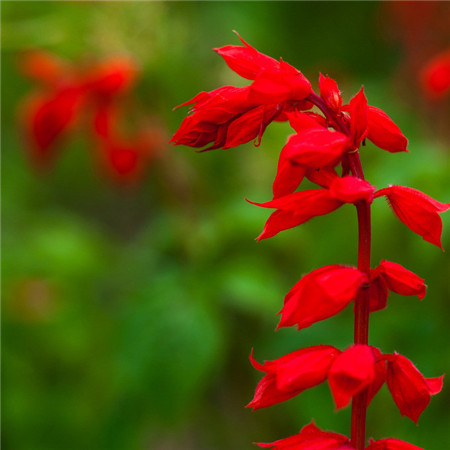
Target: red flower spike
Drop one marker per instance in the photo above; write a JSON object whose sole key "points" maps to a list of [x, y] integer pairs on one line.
{"points": [[351, 189], [410, 390], [291, 374], [383, 132], [246, 61], [311, 438], [358, 117], [295, 209], [391, 444], [316, 147], [417, 211], [277, 85], [320, 294], [351, 372], [329, 91]]}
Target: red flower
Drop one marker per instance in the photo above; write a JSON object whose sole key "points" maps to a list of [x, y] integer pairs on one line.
{"points": [[391, 444], [224, 117], [435, 76], [330, 93], [320, 294], [351, 372], [389, 276], [230, 116], [410, 390], [298, 207], [311, 438], [358, 117], [291, 374], [383, 132], [417, 211]]}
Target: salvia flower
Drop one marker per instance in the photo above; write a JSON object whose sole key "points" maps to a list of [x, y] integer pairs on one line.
{"points": [[418, 211]]}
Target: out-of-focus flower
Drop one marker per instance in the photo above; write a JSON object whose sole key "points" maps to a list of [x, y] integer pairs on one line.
{"points": [[68, 95], [435, 76]]}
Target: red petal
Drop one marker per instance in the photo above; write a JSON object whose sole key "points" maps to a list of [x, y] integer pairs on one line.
{"points": [[378, 293], [320, 294], [316, 147], [288, 178], [358, 112], [246, 61], [417, 211], [351, 189], [301, 121], [352, 371], [323, 176], [380, 375], [409, 388], [383, 132], [391, 444], [329, 91], [401, 280]]}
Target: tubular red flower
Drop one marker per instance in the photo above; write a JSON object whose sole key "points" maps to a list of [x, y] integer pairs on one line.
{"points": [[391, 444], [389, 276], [410, 390], [383, 132], [330, 93], [417, 211], [316, 147], [435, 76], [351, 189], [320, 294], [276, 85], [291, 374], [351, 372], [246, 61], [311, 438], [358, 117]]}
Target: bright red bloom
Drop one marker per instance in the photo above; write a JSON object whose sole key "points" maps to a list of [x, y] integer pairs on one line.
{"points": [[389, 276], [291, 374], [383, 132], [391, 444], [230, 116], [380, 374], [351, 372], [311, 438], [330, 93], [417, 211], [224, 117], [435, 76], [410, 390], [316, 147], [320, 294], [358, 110], [298, 207], [47, 118]]}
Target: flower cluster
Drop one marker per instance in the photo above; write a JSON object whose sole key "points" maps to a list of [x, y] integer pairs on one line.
{"points": [[92, 95], [325, 140]]}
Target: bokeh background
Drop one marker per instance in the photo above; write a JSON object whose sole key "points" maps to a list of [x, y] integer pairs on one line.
{"points": [[129, 309]]}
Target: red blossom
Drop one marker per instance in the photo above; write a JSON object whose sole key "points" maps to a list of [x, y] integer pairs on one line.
{"points": [[351, 372], [330, 93], [320, 294], [435, 76], [389, 276], [417, 211], [311, 438], [383, 132], [358, 110], [391, 444], [410, 390], [298, 207], [291, 374]]}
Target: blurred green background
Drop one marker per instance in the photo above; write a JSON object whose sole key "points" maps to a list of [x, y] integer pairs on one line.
{"points": [[129, 312]]}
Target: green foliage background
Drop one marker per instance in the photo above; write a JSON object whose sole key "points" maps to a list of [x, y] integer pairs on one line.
{"points": [[129, 312]]}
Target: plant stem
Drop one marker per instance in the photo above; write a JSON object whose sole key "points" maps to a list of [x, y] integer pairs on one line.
{"points": [[361, 333]]}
